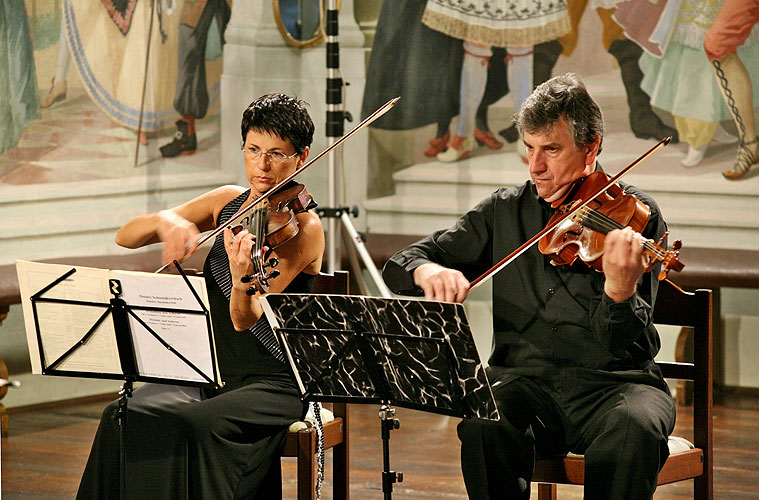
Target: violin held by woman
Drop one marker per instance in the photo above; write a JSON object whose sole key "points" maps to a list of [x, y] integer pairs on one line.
{"points": [[272, 222]]}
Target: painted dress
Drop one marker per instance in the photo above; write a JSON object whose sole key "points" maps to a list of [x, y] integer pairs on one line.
{"points": [[683, 75], [499, 23], [19, 102], [109, 48]]}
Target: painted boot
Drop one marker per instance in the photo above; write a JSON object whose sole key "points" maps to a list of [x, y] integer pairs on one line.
{"points": [[645, 124], [183, 143]]}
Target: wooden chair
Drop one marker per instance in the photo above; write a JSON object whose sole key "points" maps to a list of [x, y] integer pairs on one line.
{"points": [[302, 443], [673, 307]]}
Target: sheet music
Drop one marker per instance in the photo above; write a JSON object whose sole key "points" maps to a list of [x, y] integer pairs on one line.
{"points": [[187, 333], [62, 326], [65, 324]]}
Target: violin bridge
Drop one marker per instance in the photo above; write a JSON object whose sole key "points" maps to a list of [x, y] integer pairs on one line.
{"points": [[568, 207]]}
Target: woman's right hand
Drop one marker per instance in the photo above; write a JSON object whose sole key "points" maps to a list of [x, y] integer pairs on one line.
{"points": [[179, 236]]}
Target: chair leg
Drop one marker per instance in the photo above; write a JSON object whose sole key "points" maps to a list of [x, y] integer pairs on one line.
{"points": [[703, 487], [306, 466], [340, 472], [547, 491]]}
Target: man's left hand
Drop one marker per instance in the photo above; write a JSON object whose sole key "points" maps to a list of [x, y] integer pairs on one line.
{"points": [[623, 262]]}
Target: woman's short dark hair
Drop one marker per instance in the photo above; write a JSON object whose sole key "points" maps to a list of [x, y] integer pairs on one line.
{"points": [[281, 115], [562, 96]]}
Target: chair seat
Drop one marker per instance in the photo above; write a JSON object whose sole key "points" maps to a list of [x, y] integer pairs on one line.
{"points": [[684, 462], [675, 444], [309, 421], [333, 435]]}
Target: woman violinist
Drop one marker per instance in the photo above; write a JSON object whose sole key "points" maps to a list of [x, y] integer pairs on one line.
{"points": [[224, 444], [571, 366]]}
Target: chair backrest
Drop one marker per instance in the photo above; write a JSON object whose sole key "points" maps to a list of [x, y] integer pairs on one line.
{"points": [[336, 283], [693, 309]]}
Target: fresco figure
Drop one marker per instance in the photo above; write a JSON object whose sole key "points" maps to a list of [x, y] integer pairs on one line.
{"points": [[644, 123], [59, 85], [191, 99], [423, 66], [681, 81], [107, 44], [482, 25], [18, 77], [731, 28]]}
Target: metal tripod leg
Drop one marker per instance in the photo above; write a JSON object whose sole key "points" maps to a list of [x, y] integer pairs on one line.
{"points": [[360, 247]]}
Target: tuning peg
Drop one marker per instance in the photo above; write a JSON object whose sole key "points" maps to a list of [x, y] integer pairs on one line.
{"points": [[272, 274], [250, 291], [247, 278]]}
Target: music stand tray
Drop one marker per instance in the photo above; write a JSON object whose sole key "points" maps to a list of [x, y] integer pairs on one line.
{"points": [[88, 322]]}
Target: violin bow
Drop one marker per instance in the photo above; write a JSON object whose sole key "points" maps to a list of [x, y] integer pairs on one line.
{"points": [[527, 244], [366, 121]]}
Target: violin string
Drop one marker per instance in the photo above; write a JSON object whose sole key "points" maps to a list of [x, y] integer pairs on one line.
{"points": [[258, 216], [606, 223]]}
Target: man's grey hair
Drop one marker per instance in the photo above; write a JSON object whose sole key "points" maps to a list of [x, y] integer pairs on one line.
{"points": [[562, 96]]}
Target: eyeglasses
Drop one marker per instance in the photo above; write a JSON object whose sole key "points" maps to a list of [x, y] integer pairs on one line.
{"points": [[276, 157]]}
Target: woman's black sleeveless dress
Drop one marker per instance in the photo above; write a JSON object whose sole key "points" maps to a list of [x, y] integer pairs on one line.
{"points": [[187, 443]]}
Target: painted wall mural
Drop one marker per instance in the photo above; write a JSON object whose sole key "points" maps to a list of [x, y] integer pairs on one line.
{"points": [[451, 59], [84, 76]]}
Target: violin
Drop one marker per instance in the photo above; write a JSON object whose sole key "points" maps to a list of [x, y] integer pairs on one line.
{"points": [[273, 223], [582, 235]]}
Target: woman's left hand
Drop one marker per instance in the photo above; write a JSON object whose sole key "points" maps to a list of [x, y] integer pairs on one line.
{"points": [[239, 248]]}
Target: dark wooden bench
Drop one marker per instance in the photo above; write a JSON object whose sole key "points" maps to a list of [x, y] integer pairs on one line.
{"points": [[704, 268]]}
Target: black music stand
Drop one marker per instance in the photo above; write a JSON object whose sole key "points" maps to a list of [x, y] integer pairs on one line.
{"points": [[129, 369], [410, 353]]}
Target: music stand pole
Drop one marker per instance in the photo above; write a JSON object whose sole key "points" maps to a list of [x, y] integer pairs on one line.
{"points": [[121, 416], [389, 423]]}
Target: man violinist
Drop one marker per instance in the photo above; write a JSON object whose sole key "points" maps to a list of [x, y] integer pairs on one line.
{"points": [[572, 365], [222, 444]]}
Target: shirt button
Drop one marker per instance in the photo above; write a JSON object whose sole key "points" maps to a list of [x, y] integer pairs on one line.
{"points": [[551, 290]]}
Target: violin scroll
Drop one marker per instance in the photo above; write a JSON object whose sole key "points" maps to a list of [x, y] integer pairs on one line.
{"points": [[669, 258]]}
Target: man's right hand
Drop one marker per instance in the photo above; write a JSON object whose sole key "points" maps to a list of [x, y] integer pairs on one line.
{"points": [[441, 283]]}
